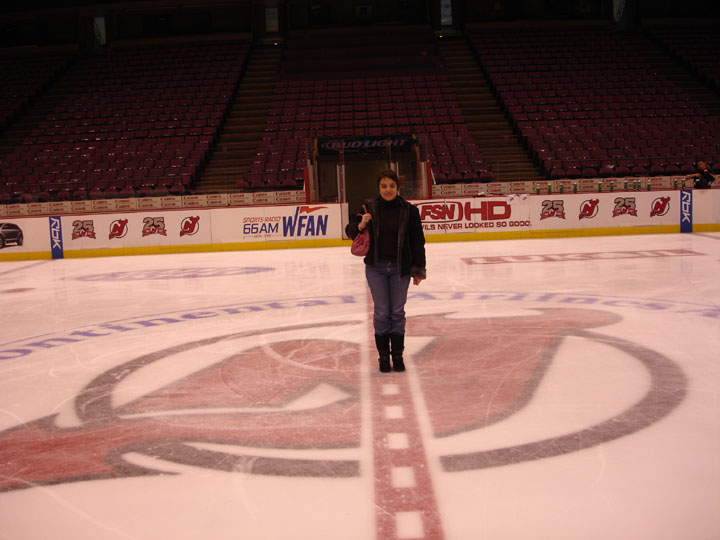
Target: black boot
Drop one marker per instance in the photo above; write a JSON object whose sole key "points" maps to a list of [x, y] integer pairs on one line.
{"points": [[382, 342], [398, 346]]}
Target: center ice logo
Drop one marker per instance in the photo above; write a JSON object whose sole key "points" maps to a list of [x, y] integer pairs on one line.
{"points": [[291, 394]]}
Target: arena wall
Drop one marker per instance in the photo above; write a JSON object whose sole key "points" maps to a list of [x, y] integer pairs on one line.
{"points": [[297, 225]]}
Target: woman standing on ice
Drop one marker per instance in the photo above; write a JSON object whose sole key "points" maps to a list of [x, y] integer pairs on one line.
{"points": [[396, 254]]}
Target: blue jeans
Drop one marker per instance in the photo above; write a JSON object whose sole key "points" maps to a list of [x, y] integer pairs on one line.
{"points": [[389, 293]]}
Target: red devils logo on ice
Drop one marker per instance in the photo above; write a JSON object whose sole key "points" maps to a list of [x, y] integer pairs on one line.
{"points": [[589, 209], [118, 228], [305, 394], [189, 226], [660, 206]]}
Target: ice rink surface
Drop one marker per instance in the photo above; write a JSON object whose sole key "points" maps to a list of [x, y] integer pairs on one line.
{"points": [[556, 389]]}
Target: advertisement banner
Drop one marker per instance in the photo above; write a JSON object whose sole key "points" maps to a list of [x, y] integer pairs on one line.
{"points": [[606, 210], [686, 211], [276, 223], [300, 225], [56, 239], [478, 214], [137, 229], [703, 208], [354, 145], [24, 235]]}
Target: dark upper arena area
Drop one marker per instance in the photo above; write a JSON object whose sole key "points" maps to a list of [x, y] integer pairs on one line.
{"points": [[137, 98]]}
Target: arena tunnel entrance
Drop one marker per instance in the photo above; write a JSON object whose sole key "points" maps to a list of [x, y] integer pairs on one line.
{"points": [[346, 169]]}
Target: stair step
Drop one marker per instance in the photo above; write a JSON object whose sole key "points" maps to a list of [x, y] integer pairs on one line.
{"points": [[244, 125], [498, 143]]}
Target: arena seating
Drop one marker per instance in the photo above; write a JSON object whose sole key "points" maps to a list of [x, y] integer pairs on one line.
{"points": [[24, 76], [420, 104], [141, 121], [697, 46], [364, 52], [586, 105], [340, 86], [134, 122]]}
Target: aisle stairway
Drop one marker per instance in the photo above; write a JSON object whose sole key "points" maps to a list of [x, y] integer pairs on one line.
{"points": [[244, 126], [499, 145]]}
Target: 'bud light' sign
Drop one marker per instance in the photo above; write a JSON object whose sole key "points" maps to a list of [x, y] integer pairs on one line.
{"points": [[356, 145], [56, 243]]}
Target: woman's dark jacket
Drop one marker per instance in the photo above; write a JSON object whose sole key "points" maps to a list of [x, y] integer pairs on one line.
{"points": [[411, 240]]}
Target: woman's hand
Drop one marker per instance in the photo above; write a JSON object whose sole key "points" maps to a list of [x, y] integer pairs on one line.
{"points": [[364, 221], [417, 280]]}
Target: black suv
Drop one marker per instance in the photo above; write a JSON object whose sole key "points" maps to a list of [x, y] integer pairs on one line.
{"points": [[9, 232]]}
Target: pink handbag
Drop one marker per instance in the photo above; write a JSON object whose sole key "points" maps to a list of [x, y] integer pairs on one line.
{"points": [[361, 243]]}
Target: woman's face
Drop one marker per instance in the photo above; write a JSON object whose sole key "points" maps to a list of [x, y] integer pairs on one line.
{"points": [[388, 188]]}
